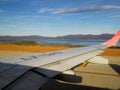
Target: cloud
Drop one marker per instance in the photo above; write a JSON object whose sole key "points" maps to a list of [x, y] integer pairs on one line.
{"points": [[77, 10], [43, 10], [117, 16], [1, 11]]}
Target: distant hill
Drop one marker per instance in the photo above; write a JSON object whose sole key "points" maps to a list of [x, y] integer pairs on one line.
{"points": [[89, 36], [66, 37], [32, 37]]}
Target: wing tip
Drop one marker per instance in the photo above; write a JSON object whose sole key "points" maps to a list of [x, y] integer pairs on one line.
{"points": [[113, 41]]}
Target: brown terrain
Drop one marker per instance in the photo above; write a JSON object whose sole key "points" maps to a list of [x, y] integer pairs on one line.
{"points": [[31, 47], [46, 48]]}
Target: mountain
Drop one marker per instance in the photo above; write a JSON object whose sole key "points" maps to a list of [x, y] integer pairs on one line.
{"points": [[89, 36], [22, 37], [66, 37]]}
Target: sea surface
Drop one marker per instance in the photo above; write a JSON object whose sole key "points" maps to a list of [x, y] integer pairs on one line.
{"points": [[72, 42], [76, 42]]}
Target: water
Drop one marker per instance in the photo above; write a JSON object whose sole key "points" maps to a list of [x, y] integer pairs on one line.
{"points": [[75, 42], [72, 42]]}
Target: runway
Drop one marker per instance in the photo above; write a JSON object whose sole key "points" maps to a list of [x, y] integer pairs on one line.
{"points": [[94, 76]]}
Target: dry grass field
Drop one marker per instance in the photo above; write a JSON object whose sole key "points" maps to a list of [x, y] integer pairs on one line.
{"points": [[111, 52], [39, 47], [33, 46]]}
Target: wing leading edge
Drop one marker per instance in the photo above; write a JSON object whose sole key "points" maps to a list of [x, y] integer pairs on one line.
{"points": [[14, 70]]}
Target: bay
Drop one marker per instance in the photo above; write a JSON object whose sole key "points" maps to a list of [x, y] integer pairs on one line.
{"points": [[71, 42], [76, 42]]}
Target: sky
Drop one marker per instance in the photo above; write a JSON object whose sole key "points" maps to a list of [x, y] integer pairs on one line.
{"points": [[59, 17]]}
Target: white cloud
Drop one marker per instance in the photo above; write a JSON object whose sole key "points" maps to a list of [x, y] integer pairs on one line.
{"points": [[117, 16], [43, 10], [1, 11], [77, 10]]}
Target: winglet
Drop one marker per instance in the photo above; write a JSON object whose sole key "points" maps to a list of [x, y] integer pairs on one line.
{"points": [[113, 41]]}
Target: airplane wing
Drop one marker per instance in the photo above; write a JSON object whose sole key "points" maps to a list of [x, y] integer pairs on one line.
{"points": [[30, 72]]}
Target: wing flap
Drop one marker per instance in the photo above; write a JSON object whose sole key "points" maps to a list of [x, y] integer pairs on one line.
{"points": [[98, 60], [29, 81], [12, 74]]}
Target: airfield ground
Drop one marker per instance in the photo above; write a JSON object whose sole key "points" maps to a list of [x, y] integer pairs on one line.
{"points": [[94, 76]]}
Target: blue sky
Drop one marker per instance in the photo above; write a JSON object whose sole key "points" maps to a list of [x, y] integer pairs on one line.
{"points": [[58, 17]]}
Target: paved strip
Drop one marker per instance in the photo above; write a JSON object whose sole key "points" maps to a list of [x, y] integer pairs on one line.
{"points": [[98, 73]]}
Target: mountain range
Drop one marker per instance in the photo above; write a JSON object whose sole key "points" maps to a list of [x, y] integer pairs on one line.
{"points": [[65, 37]]}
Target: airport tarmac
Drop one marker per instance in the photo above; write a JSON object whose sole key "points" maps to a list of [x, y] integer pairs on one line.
{"points": [[94, 77]]}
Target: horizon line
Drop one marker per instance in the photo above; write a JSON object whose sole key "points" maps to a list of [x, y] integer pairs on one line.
{"points": [[55, 36]]}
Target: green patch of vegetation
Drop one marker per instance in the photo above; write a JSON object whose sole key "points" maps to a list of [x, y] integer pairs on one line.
{"points": [[115, 47], [33, 43], [64, 45], [21, 43]]}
